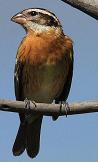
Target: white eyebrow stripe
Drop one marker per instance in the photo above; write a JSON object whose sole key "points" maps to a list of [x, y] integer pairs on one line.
{"points": [[42, 11]]}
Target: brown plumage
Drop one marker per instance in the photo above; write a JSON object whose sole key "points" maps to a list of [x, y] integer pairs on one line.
{"points": [[43, 71]]}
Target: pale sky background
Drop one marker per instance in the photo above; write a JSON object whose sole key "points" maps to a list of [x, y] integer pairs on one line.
{"points": [[72, 139]]}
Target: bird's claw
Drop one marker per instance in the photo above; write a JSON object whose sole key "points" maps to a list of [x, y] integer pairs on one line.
{"points": [[28, 116], [66, 106], [34, 103], [27, 103]]}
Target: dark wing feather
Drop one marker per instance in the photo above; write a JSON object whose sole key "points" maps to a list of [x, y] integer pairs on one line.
{"points": [[28, 136], [63, 96], [17, 80], [19, 144], [18, 83]]}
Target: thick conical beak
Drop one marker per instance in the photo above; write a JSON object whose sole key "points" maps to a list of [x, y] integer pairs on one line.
{"points": [[19, 18]]}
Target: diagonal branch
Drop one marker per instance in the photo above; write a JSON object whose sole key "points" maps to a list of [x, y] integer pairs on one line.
{"points": [[50, 109], [89, 7]]}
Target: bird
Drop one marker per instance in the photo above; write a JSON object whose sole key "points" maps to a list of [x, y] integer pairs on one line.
{"points": [[43, 71]]}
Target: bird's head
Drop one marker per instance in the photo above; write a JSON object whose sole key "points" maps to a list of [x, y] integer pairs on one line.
{"points": [[37, 19]]}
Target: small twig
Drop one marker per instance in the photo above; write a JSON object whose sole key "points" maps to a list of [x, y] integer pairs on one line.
{"points": [[49, 109], [89, 7]]}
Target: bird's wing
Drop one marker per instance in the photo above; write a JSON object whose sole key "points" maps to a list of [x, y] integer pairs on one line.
{"points": [[17, 79], [28, 136], [18, 71], [64, 94]]}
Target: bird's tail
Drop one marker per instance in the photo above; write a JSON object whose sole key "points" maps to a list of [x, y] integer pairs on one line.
{"points": [[28, 137]]}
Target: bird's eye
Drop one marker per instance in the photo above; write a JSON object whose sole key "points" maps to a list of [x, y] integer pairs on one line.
{"points": [[33, 13], [53, 21]]}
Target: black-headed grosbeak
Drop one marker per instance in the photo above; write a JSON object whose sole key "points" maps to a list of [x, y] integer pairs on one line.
{"points": [[43, 71]]}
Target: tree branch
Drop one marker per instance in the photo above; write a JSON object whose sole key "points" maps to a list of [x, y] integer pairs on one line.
{"points": [[49, 109], [89, 7]]}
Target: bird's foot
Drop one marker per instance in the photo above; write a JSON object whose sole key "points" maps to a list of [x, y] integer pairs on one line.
{"points": [[66, 106], [28, 116], [34, 103], [27, 103]]}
